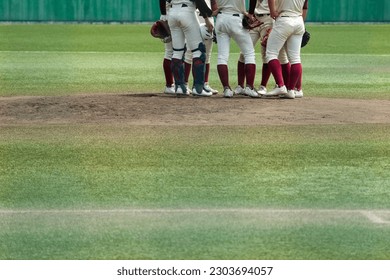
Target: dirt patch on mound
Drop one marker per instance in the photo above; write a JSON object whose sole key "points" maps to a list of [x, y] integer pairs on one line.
{"points": [[156, 109]]}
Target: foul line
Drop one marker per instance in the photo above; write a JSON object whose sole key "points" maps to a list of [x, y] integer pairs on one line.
{"points": [[374, 218], [372, 215]]}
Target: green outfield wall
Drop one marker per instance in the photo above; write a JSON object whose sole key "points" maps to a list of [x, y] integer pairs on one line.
{"points": [[148, 10]]}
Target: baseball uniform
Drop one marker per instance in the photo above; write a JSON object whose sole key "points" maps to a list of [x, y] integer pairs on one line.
{"points": [[209, 47], [262, 13], [229, 25], [288, 30], [185, 32], [169, 83]]}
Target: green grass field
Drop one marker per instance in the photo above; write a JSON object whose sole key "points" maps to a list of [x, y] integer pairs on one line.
{"points": [[103, 191]]}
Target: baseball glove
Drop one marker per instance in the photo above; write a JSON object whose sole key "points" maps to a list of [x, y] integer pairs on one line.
{"points": [[250, 22], [160, 29], [305, 39]]}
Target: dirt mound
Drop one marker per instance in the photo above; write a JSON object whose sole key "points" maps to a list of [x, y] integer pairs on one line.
{"points": [[156, 109]]}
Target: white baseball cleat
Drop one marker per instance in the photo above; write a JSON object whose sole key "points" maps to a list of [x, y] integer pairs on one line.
{"points": [[180, 92], [202, 93], [277, 91], [289, 95], [251, 92], [262, 90], [228, 93], [188, 88], [169, 90], [239, 90], [208, 88], [298, 93]]}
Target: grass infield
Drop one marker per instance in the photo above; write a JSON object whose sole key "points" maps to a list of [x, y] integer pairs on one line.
{"points": [[55, 179]]}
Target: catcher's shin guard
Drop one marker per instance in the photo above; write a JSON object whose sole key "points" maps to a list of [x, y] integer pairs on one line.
{"points": [[199, 67], [178, 73]]}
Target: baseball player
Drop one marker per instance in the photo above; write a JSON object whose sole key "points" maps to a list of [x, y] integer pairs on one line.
{"points": [[260, 33], [185, 32], [169, 83], [209, 47], [229, 25], [288, 30]]}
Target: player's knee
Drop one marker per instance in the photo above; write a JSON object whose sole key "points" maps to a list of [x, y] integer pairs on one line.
{"points": [[295, 60], [270, 56], [250, 58], [178, 53], [168, 54], [283, 58], [188, 57], [241, 58], [200, 52]]}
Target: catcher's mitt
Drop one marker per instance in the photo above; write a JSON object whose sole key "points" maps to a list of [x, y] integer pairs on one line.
{"points": [[250, 22], [160, 29], [265, 38], [305, 39]]}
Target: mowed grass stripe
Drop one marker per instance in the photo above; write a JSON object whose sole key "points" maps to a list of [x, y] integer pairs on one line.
{"points": [[376, 216]]}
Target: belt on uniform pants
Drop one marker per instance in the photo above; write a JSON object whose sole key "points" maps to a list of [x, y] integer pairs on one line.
{"points": [[235, 15], [262, 15]]}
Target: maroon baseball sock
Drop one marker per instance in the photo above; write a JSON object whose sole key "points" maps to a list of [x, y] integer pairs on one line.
{"points": [[265, 74], [276, 70], [296, 72], [298, 85], [223, 73], [167, 72], [206, 73], [250, 72], [240, 73], [286, 70]]}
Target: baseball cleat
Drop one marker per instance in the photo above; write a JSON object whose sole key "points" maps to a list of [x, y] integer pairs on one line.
{"points": [[298, 93], [169, 90], [277, 91], [239, 90], [202, 93], [188, 88], [289, 95], [181, 92], [251, 92], [262, 90], [227, 92], [207, 87]]}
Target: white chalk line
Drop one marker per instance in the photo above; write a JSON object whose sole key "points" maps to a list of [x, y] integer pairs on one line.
{"points": [[374, 216]]}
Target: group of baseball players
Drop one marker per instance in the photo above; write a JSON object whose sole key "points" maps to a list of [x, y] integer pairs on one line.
{"points": [[193, 31]]}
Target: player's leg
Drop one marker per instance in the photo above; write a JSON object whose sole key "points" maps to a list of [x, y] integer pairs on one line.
{"points": [[285, 63], [195, 43], [265, 29], [169, 83], [293, 47], [240, 89], [178, 46], [223, 45], [244, 42], [276, 40], [209, 49], [187, 67], [298, 88]]}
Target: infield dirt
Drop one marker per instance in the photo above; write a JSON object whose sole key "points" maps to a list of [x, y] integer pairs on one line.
{"points": [[158, 109]]}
